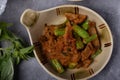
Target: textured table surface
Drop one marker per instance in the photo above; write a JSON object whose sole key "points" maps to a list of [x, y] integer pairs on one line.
{"points": [[31, 70]]}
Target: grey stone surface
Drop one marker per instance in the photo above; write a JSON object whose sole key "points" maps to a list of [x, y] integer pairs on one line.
{"points": [[31, 70]]}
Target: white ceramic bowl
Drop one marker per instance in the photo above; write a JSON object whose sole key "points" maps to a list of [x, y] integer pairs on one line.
{"points": [[34, 22]]}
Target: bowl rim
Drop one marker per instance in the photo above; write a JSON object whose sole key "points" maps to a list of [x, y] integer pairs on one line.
{"points": [[87, 9]]}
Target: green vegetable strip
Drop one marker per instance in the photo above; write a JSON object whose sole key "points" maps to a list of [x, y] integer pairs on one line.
{"points": [[76, 35], [79, 44], [96, 53], [59, 31], [89, 39], [57, 65], [80, 31], [85, 25], [72, 65]]}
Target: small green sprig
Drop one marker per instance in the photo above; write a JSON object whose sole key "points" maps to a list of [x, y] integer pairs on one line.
{"points": [[12, 54]]}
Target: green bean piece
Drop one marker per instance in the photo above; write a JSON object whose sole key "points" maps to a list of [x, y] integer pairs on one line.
{"points": [[80, 31], [96, 53], [76, 36], [59, 31], [79, 44], [85, 25], [72, 65], [57, 65], [91, 38]]}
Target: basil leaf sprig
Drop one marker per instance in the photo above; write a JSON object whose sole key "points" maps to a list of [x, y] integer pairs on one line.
{"points": [[12, 54]]}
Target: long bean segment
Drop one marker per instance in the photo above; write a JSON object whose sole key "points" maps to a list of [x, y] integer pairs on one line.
{"points": [[80, 31], [59, 31], [89, 39], [96, 53], [72, 65], [79, 44], [85, 25], [57, 65]]}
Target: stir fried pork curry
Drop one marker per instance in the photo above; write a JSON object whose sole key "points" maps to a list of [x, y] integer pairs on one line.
{"points": [[72, 45]]}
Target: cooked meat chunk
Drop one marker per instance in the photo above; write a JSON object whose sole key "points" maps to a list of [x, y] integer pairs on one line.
{"points": [[86, 63], [76, 18], [92, 30], [68, 33], [85, 54], [75, 58], [92, 48]]}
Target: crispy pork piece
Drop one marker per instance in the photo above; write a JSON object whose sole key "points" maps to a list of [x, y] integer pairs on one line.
{"points": [[76, 18], [64, 60], [86, 63], [75, 58], [85, 54], [68, 32], [92, 48], [92, 30]]}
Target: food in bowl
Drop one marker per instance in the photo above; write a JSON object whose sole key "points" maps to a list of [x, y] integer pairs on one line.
{"points": [[34, 22], [74, 44]]}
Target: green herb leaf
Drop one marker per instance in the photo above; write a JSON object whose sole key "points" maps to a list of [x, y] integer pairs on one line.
{"points": [[5, 34], [4, 25], [26, 50], [12, 53], [6, 69], [18, 44]]}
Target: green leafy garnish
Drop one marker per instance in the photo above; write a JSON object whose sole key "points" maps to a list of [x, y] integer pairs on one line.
{"points": [[6, 68], [12, 54]]}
